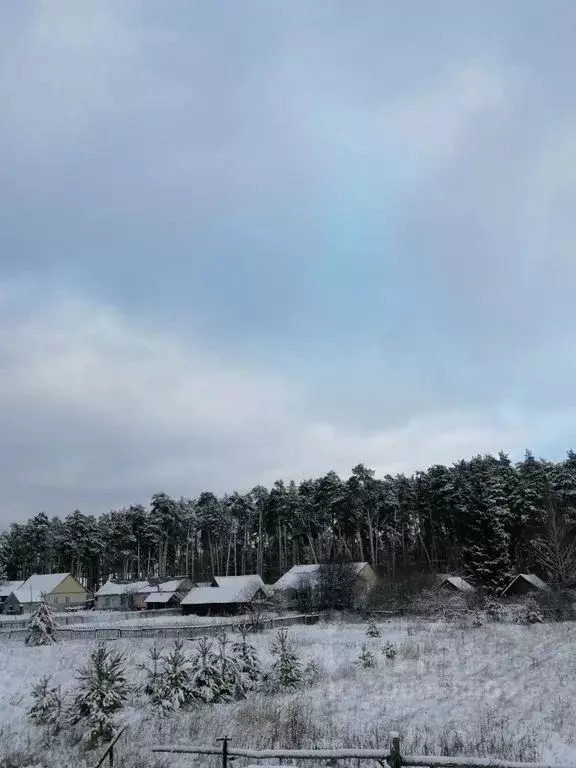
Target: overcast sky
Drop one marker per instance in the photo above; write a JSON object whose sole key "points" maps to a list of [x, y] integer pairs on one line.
{"points": [[249, 240]]}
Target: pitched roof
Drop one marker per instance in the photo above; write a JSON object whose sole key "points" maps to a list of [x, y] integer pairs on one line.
{"points": [[38, 584], [531, 578], [234, 589], [307, 575], [164, 586], [458, 582], [7, 587], [112, 588], [160, 597]]}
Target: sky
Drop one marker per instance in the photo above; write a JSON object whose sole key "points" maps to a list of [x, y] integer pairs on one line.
{"points": [[259, 240]]}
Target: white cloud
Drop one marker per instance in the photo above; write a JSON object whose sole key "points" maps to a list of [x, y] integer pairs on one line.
{"points": [[103, 410]]}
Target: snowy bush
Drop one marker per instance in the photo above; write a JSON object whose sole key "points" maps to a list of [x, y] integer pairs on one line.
{"points": [[477, 621], [42, 626], [312, 671], [46, 708], [531, 612], [389, 651], [365, 659], [101, 692], [493, 610], [287, 668], [372, 630]]}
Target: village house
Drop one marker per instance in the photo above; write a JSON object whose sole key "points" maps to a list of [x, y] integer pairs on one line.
{"points": [[9, 603], [60, 590], [225, 595], [308, 576], [120, 596], [525, 583], [453, 583], [165, 594]]}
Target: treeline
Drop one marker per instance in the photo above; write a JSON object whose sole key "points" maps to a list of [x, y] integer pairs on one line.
{"points": [[485, 518]]}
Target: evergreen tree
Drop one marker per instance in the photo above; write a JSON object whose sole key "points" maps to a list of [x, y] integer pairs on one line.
{"points": [[46, 708], [42, 626], [101, 692], [153, 674], [173, 688], [247, 659], [372, 630], [206, 677], [287, 668], [365, 658]]}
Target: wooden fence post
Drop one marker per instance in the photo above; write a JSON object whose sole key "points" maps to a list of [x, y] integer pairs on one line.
{"points": [[395, 759]]}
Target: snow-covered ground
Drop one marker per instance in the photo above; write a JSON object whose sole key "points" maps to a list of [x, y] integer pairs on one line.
{"points": [[502, 690]]}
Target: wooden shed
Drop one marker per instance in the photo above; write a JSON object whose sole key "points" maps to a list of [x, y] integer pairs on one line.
{"points": [[225, 595], [454, 584]]}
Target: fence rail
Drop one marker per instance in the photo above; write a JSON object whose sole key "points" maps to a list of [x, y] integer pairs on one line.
{"points": [[174, 632], [392, 756]]}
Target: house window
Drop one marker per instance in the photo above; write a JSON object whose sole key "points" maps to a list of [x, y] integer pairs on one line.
{"points": [[67, 600], [55, 599]]}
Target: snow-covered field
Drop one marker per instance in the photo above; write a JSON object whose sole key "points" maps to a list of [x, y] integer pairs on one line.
{"points": [[503, 690]]}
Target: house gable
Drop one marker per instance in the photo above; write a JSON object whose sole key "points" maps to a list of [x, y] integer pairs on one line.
{"points": [[70, 586]]}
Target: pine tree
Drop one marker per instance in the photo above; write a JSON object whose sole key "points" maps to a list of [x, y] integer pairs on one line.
{"points": [[365, 658], [372, 630], [47, 704], [287, 669], [101, 692], [153, 671], [247, 659], [233, 684], [42, 626], [205, 677], [174, 687]]}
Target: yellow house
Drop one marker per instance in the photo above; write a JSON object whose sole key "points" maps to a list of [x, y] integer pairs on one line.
{"points": [[60, 590]]}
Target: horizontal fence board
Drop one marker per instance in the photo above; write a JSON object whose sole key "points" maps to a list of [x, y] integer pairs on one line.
{"points": [[428, 761]]}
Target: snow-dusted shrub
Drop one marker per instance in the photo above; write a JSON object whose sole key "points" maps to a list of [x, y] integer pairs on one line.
{"points": [[46, 708], [287, 669], [531, 613], [493, 610], [101, 692], [477, 621], [42, 626], [389, 651], [312, 672], [372, 630], [365, 658]]}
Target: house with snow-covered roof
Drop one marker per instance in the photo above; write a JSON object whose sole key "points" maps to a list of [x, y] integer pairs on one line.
{"points": [[453, 583], [118, 595], [60, 590], [524, 583], [309, 576], [225, 595], [165, 594], [9, 603]]}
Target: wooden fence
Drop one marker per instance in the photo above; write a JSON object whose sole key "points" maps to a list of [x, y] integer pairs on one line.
{"points": [[92, 618], [391, 757], [174, 632]]}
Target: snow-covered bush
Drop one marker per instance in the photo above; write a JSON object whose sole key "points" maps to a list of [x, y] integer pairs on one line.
{"points": [[372, 630], [311, 674], [531, 613], [287, 669], [365, 659], [42, 626], [493, 610], [389, 651], [477, 621], [101, 692], [247, 659], [46, 708]]}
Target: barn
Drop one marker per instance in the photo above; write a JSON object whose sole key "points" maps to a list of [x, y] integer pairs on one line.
{"points": [[453, 584]]}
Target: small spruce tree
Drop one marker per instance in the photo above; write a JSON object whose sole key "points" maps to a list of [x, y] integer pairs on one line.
{"points": [[389, 651], [233, 684], [101, 692], [365, 658], [531, 613], [372, 630], [287, 669], [46, 706], [152, 669], [42, 626], [247, 659], [173, 688], [205, 677]]}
